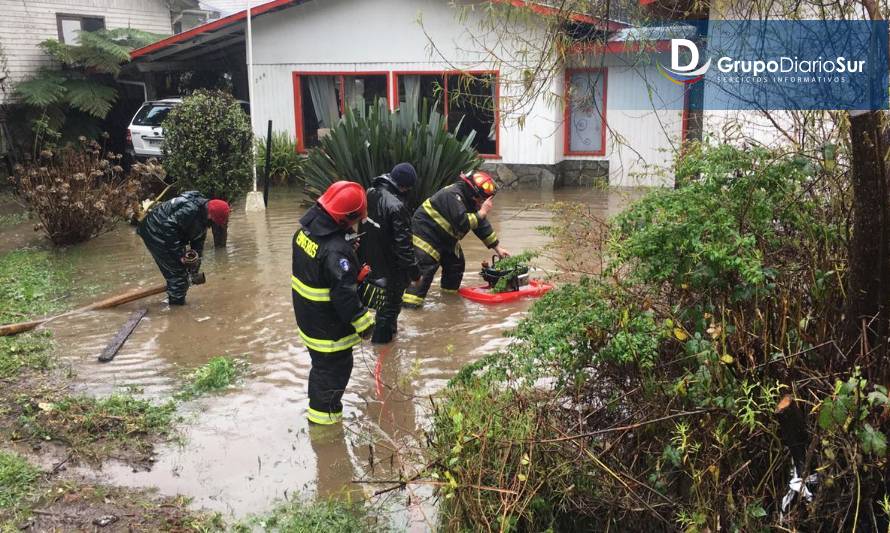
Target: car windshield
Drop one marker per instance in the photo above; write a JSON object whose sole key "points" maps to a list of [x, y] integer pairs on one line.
{"points": [[151, 114]]}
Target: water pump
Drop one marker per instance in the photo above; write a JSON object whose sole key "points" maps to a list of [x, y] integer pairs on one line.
{"points": [[192, 262]]}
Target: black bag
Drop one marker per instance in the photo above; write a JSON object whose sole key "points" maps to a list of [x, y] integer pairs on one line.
{"points": [[516, 277]]}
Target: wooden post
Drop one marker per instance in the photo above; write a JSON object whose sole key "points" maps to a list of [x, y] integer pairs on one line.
{"points": [[120, 299]]}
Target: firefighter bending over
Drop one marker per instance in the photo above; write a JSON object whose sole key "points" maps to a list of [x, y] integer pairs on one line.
{"points": [[441, 222], [171, 226], [330, 317]]}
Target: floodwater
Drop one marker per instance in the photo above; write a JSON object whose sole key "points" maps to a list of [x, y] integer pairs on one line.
{"points": [[245, 448]]}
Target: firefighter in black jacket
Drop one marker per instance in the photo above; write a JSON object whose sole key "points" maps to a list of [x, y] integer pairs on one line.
{"points": [[387, 247], [329, 315], [441, 222], [170, 226]]}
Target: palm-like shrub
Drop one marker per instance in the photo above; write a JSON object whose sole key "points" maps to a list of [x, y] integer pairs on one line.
{"points": [[364, 145], [207, 145]]}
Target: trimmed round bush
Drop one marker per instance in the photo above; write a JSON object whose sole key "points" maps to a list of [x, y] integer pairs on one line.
{"points": [[207, 142]]}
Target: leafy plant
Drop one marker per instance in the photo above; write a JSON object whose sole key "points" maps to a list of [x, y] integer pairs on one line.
{"points": [[85, 87], [215, 375], [76, 192], [323, 516], [207, 143], [285, 165], [362, 146]]}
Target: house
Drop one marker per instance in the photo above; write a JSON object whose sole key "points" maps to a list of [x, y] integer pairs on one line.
{"points": [[25, 24], [622, 121]]}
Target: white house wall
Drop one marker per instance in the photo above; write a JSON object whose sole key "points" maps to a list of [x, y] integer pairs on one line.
{"points": [[387, 35], [24, 24]]}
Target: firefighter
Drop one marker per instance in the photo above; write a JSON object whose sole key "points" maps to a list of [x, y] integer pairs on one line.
{"points": [[171, 226], [387, 247], [441, 222], [330, 317]]}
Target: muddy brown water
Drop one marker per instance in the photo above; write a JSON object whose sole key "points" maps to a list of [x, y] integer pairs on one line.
{"points": [[245, 448]]}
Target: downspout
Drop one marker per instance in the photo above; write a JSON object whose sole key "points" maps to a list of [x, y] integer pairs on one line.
{"points": [[140, 83]]}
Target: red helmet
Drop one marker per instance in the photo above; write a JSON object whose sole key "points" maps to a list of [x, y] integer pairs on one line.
{"points": [[345, 201], [481, 183]]}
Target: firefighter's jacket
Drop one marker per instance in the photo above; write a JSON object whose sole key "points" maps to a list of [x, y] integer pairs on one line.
{"points": [[446, 217], [323, 282], [386, 245], [178, 222]]}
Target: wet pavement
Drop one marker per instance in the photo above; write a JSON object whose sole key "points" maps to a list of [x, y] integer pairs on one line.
{"points": [[241, 450]]}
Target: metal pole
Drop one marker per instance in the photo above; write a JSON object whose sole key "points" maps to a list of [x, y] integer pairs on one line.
{"points": [[250, 94], [268, 164]]}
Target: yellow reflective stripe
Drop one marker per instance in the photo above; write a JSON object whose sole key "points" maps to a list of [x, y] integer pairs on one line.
{"points": [[320, 417], [310, 293], [426, 247], [449, 291], [329, 346], [473, 219], [491, 239], [363, 322], [440, 220], [409, 298]]}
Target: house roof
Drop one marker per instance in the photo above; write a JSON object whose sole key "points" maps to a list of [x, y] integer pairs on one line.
{"points": [[226, 29], [212, 33]]}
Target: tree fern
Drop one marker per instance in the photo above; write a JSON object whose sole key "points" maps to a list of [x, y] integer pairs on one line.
{"points": [[90, 96], [45, 89], [84, 88]]}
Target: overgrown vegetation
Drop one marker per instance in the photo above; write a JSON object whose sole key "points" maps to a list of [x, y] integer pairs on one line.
{"points": [[76, 192], [217, 374], [285, 164], [207, 143], [31, 284], [95, 427], [680, 388], [18, 479], [362, 146], [323, 516]]}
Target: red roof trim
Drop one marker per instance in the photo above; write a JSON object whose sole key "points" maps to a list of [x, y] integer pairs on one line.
{"points": [[541, 9], [210, 26]]}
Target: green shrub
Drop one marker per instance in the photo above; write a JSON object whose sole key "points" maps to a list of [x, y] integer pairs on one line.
{"points": [[207, 140], [647, 397], [362, 146], [285, 165]]}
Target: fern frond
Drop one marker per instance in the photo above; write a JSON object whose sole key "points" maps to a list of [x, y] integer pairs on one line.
{"points": [[44, 89], [61, 52], [131, 37], [100, 52], [90, 97]]}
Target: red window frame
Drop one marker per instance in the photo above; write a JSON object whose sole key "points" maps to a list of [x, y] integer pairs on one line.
{"points": [[394, 100], [567, 113], [298, 94]]}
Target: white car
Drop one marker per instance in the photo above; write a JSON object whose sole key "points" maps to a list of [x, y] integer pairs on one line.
{"points": [[145, 136]]}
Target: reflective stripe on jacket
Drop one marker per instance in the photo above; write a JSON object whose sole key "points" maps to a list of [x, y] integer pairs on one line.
{"points": [[323, 285], [446, 217]]}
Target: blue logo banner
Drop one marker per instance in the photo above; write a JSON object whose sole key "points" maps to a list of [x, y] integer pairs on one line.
{"points": [[782, 65]]}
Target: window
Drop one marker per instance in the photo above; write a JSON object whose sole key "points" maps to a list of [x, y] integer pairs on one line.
{"points": [[320, 99], [152, 114], [585, 115], [468, 99], [71, 25]]}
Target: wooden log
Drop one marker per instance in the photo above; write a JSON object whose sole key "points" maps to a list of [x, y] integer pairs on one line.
{"points": [[793, 430], [120, 299], [111, 350]]}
